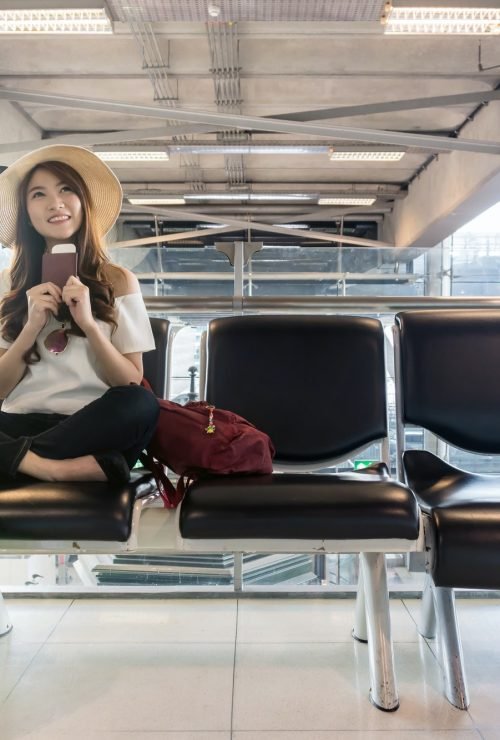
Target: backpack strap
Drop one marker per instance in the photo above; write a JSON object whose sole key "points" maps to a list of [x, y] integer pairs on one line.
{"points": [[171, 496]]}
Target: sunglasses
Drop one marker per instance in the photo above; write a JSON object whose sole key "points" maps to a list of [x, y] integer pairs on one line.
{"points": [[57, 341]]}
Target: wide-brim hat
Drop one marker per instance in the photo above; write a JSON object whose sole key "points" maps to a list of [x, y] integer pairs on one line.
{"points": [[103, 185]]}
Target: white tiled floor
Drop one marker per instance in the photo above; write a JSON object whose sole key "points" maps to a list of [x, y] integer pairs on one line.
{"points": [[259, 669]]}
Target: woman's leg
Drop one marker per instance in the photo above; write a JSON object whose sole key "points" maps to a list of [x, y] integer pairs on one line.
{"points": [[16, 431], [121, 421], [15, 454]]}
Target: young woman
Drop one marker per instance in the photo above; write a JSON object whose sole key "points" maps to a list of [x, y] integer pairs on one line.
{"points": [[70, 357]]}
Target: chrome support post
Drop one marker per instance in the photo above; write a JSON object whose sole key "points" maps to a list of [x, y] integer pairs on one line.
{"points": [[450, 648], [359, 630], [383, 692], [238, 572], [427, 624], [5, 623]]}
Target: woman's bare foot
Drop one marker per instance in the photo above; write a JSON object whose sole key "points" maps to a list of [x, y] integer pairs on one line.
{"points": [[73, 469]]}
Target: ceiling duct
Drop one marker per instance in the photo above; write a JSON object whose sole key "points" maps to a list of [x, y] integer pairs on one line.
{"points": [[224, 53], [164, 92], [197, 11]]}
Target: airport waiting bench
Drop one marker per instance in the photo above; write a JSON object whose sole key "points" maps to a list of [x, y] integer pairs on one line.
{"points": [[448, 382], [316, 385]]}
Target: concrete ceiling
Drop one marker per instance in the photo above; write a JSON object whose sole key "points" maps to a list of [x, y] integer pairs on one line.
{"points": [[296, 63]]}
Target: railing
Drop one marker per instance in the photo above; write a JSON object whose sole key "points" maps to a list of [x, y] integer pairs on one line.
{"points": [[278, 304]]}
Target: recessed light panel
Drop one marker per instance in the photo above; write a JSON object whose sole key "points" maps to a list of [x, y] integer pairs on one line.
{"points": [[133, 156], [145, 201], [346, 201], [57, 20], [366, 156], [441, 20]]}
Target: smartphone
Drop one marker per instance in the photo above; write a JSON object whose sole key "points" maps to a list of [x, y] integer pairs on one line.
{"points": [[59, 264]]}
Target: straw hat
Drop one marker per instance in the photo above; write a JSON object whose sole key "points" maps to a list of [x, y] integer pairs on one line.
{"points": [[103, 185]]}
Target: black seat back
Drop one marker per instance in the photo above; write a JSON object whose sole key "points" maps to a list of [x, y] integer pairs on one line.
{"points": [[315, 384], [155, 361], [450, 375]]}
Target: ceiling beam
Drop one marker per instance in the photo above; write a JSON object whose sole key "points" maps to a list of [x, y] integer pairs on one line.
{"points": [[320, 213], [234, 224], [111, 137], [27, 117], [255, 123], [164, 239], [390, 106]]}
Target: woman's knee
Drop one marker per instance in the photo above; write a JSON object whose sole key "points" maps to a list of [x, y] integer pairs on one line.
{"points": [[137, 403]]}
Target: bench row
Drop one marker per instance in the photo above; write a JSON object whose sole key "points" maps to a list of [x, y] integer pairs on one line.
{"points": [[264, 367]]}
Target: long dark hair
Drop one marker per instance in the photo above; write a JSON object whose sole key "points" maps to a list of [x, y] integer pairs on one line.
{"points": [[26, 268]]}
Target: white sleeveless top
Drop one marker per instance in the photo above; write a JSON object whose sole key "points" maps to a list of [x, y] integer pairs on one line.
{"points": [[66, 382]]}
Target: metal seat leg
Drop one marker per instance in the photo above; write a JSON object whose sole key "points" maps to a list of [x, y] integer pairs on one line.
{"points": [[450, 648], [359, 630], [427, 623], [5, 623], [383, 692]]}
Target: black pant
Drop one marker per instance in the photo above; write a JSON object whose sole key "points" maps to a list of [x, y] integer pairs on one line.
{"points": [[122, 420]]}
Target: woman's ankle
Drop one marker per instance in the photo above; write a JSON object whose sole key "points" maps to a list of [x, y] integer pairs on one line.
{"points": [[38, 467], [84, 468]]}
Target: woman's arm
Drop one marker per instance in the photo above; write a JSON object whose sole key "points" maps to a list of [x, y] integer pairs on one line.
{"points": [[12, 365], [42, 299], [118, 368]]}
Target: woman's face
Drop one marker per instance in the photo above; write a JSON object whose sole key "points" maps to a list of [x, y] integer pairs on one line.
{"points": [[55, 211]]}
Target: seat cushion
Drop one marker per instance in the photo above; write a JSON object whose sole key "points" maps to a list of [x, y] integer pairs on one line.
{"points": [[31, 509], [299, 506], [463, 511]]}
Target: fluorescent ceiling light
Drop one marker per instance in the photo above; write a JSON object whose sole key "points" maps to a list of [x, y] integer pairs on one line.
{"points": [[247, 149], [366, 156], [217, 196], [283, 196], [62, 20], [250, 196], [346, 201], [293, 226], [134, 155], [443, 20], [156, 201]]}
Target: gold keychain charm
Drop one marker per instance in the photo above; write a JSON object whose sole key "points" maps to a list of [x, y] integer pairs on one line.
{"points": [[210, 429]]}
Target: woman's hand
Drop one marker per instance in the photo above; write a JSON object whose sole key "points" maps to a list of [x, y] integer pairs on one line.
{"points": [[76, 296], [43, 300]]}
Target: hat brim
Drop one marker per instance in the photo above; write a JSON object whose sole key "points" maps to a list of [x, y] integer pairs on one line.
{"points": [[104, 187]]}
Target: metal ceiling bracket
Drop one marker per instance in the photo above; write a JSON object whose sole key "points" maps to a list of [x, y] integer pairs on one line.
{"points": [[229, 248], [238, 254]]}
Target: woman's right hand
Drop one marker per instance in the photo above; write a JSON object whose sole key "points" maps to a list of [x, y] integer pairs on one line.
{"points": [[42, 300]]}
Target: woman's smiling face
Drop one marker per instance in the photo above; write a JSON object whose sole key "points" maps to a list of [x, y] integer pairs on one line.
{"points": [[55, 211]]}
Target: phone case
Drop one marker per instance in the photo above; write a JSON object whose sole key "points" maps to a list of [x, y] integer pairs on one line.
{"points": [[57, 268]]}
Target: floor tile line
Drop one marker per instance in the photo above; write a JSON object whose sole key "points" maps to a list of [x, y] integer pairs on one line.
{"points": [[403, 601], [81, 643], [234, 667], [26, 668], [72, 601], [432, 644]]}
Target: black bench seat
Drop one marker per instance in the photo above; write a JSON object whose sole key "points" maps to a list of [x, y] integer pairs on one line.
{"points": [[299, 506], [31, 509]]}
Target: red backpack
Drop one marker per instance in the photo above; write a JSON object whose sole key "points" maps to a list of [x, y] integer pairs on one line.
{"points": [[197, 440]]}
